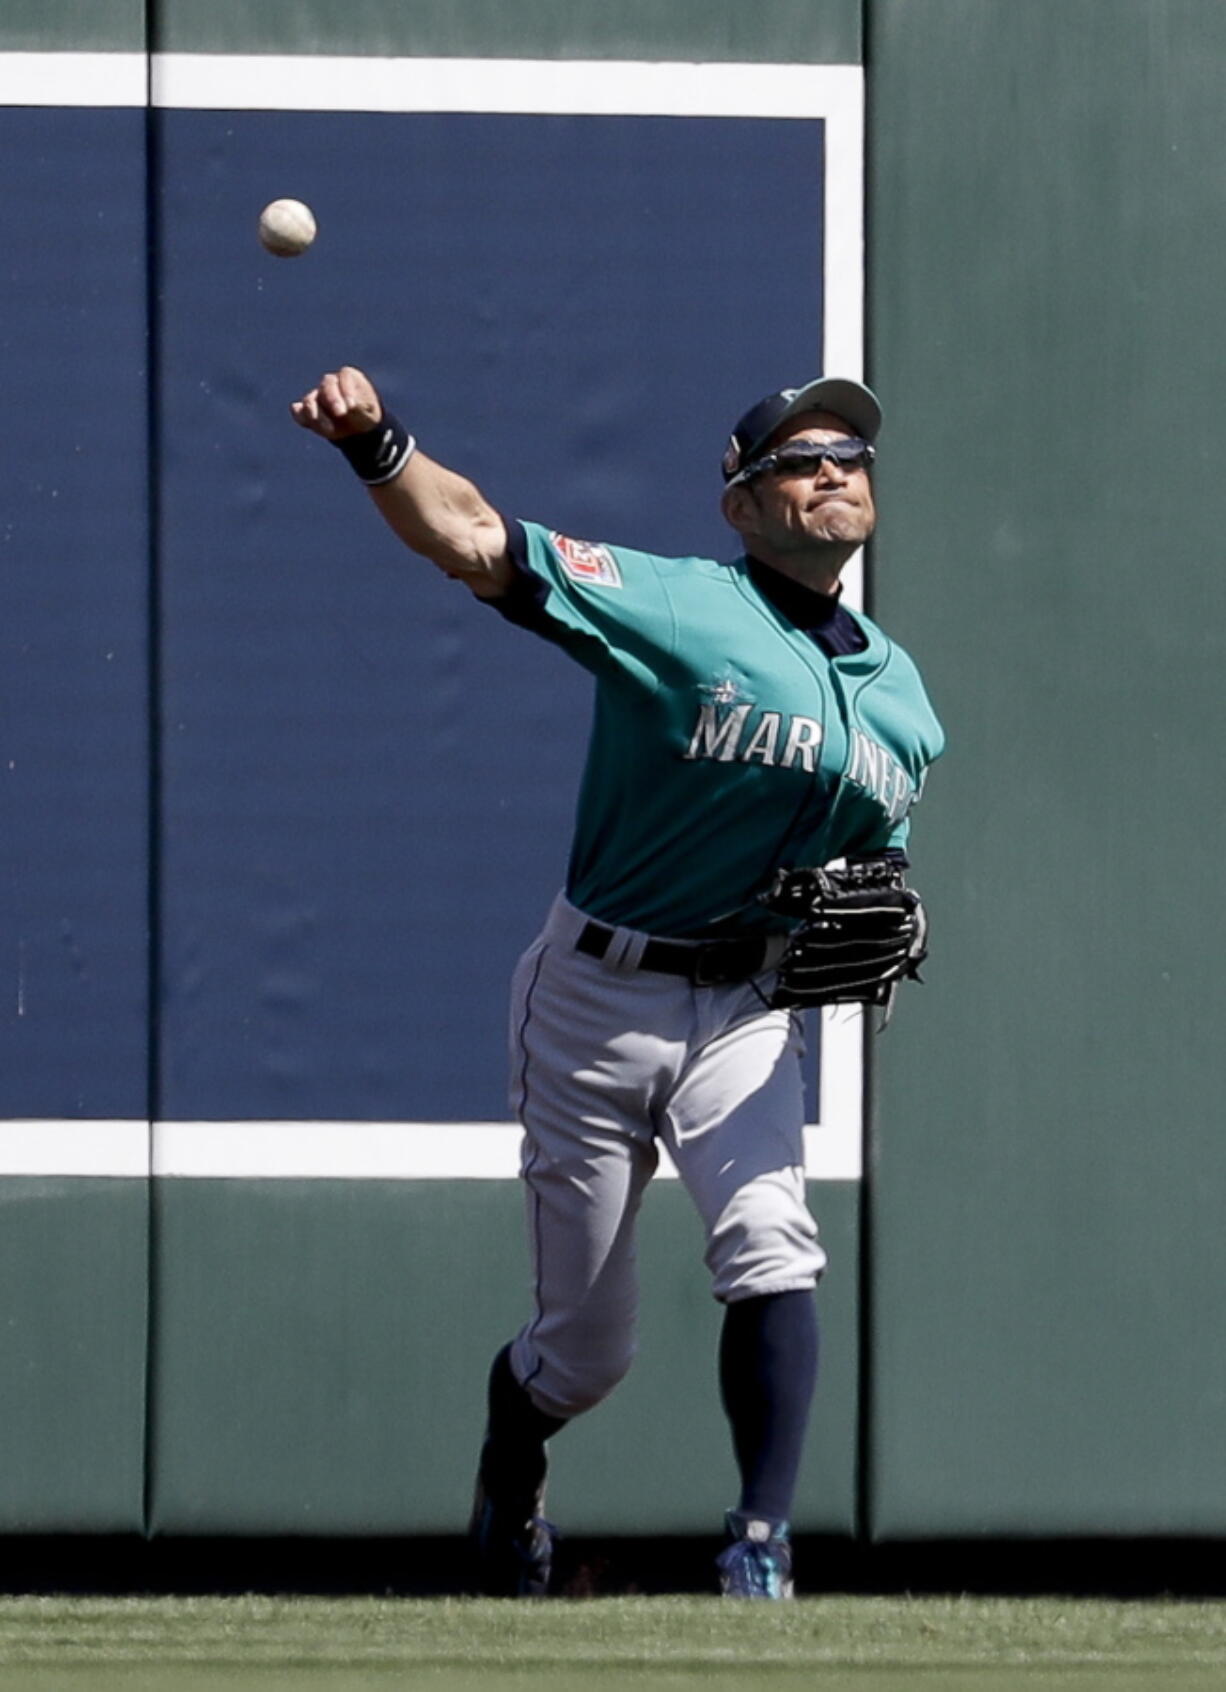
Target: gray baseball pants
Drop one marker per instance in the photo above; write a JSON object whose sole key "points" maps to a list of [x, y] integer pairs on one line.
{"points": [[607, 1061]]}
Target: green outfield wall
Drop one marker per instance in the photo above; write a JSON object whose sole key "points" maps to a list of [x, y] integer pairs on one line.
{"points": [[48, 26], [74, 1268], [1046, 269], [790, 32], [320, 1350]]}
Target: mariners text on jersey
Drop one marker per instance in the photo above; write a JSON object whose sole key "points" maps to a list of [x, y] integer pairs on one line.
{"points": [[724, 735]]}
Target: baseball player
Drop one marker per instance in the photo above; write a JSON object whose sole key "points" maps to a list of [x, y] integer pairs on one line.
{"points": [[739, 853]]}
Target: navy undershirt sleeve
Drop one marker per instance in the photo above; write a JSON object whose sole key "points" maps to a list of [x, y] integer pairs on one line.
{"points": [[524, 601]]}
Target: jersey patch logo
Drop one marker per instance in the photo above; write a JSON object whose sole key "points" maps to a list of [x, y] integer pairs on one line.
{"points": [[587, 561]]}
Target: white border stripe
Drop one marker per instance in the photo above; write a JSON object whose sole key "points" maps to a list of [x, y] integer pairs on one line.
{"points": [[40, 1147], [306, 82], [73, 79], [620, 88], [337, 1151], [319, 1151], [835, 1150], [398, 1151]]}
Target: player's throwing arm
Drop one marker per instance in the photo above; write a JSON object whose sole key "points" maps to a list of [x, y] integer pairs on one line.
{"points": [[437, 513]]}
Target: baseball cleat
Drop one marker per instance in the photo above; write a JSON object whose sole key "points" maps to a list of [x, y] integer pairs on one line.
{"points": [[758, 1562], [514, 1550]]}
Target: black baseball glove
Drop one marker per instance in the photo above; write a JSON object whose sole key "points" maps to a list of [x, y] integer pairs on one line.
{"points": [[862, 931]]}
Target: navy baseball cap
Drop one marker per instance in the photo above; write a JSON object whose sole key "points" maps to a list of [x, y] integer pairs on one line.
{"points": [[851, 401]]}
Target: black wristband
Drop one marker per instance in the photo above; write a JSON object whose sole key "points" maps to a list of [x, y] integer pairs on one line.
{"points": [[378, 455]]}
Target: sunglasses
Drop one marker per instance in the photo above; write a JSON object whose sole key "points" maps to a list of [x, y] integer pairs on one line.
{"points": [[800, 458]]}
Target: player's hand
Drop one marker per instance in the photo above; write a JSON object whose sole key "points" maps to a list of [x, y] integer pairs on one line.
{"points": [[345, 403]]}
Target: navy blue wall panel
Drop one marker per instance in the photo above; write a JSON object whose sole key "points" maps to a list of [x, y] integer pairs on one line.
{"points": [[368, 779], [73, 616]]}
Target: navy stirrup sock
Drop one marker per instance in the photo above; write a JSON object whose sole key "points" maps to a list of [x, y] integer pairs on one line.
{"points": [[513, 1460], [767, 1373]]}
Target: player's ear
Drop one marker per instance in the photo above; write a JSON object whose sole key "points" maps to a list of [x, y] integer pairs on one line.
{"points": [[739, 508]]}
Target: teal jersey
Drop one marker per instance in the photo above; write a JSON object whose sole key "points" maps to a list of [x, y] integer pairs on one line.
{"points": [[725, 743]]}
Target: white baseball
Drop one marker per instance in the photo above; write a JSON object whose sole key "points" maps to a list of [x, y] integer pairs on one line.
{"points": [[287, 228]]}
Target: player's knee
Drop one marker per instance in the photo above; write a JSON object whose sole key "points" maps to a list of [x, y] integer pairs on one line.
{"points": [[567, 1386], [764, 1242]]}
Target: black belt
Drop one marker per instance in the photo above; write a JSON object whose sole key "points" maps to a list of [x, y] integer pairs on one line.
{"points": [[709, 963]]}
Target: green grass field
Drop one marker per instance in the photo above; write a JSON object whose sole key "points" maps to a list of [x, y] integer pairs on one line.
{"points": [[650, 1644]]}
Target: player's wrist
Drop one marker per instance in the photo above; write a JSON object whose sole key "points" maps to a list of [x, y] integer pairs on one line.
{"points": [[378, 455]]}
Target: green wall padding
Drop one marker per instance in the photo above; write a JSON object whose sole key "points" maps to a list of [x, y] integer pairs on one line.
{"points": [[788, 31], [72, 1366], [1047, 261], [321, 1349], [77, 26]]}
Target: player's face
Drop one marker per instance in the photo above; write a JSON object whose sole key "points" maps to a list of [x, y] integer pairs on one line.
{"points": [[786, 510]]}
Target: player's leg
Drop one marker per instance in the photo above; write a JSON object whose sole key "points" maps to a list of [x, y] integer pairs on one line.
{"points": [[735, 1128], [768, 1371], [588, 1155], [514, 1543], [582, 1084], [582, 1205]]}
